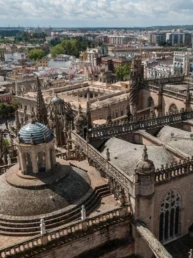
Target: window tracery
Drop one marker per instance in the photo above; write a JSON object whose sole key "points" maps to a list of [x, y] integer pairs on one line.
{"points": [[169, 227]]}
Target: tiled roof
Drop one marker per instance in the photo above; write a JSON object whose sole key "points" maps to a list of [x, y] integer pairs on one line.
{"points": [[36, 131]]}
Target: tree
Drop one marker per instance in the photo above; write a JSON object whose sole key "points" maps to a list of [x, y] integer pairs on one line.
{"points": [[54, 42], [70, 47], [15, 103], [36, 54], [123, 72], [57, 50]]}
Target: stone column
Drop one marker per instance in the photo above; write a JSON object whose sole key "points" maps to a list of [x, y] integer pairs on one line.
{"points": [[53, 156], [23, 165], [34, 162], [48, 160], [19, 159]]}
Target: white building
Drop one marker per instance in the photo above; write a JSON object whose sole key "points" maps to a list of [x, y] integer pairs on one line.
{"points": [[160, 71], [119, 40], [14, 56], [183, 63], [92, 54]]}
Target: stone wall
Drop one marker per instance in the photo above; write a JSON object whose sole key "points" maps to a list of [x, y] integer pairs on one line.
{"points": [[97, 239], [144, 96], [183, 185]]}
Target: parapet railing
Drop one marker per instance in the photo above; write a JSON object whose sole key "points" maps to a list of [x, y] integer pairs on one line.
{"points": [[171, 78], [123, 127], [170, 91], [65, 232], [173, 170], [162, 175], [102, 164]]}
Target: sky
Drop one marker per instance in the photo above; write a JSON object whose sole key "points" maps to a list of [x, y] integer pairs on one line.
{"points": [[95, 13]]}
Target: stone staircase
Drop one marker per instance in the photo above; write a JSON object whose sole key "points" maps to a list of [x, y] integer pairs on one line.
{"points": [[32, 227]]}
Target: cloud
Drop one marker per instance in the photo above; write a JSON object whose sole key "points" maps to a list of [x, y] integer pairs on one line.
{"points": [[96, 12]]}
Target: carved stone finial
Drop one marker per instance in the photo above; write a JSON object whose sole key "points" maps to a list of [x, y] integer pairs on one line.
{"points": [[108, 154], [42, 227], [8, 159], [190, 253], [79, 109], [145, 155], [83, 212]]}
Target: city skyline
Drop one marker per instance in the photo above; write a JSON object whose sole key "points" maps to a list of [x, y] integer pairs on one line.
{"points": [[98, 13]]}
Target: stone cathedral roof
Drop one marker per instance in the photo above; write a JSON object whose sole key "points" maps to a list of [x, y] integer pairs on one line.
{"points": [[36, 131], [126, 155], [177, 138]]}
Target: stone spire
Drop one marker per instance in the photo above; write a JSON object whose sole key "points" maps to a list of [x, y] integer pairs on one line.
{"points": [[188, 96], [133, 92], [145, 155], [41, 114], [17, 122], [109, 117], [128, 110], [88, 115]]}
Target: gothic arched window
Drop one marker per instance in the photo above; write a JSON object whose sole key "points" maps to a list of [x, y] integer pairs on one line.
{"points": [[173, 109], [169, 221]]}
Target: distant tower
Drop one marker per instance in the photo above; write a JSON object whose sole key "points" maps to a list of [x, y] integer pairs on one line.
{"points": [[88, 115], [133, 85], [136, 77], [80, 123], [41, 115]]}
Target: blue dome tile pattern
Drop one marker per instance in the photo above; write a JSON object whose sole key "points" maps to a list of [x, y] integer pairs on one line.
{"points": [[35, 133], [57, 100]]}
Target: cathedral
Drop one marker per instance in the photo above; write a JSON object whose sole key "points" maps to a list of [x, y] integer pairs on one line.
{"points": [[101, 172]]}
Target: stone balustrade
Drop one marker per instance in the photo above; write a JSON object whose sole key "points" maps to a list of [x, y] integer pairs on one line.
{"points": [[120, 127], [173, 170], [172, 78], [102, 164], [172, 92], [162, 175], [66, 232]]}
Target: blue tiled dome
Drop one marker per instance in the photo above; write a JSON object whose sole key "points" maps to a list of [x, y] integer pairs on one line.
{"points": [[57, 100], [36, 132]]}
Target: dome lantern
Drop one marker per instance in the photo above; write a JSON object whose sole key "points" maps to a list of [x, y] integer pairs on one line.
{"points": [[36, 151]]}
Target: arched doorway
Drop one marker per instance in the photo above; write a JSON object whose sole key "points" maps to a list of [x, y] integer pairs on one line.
{"points": [[41, 161], [169, 220], [173, 109], [28, 163]]}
